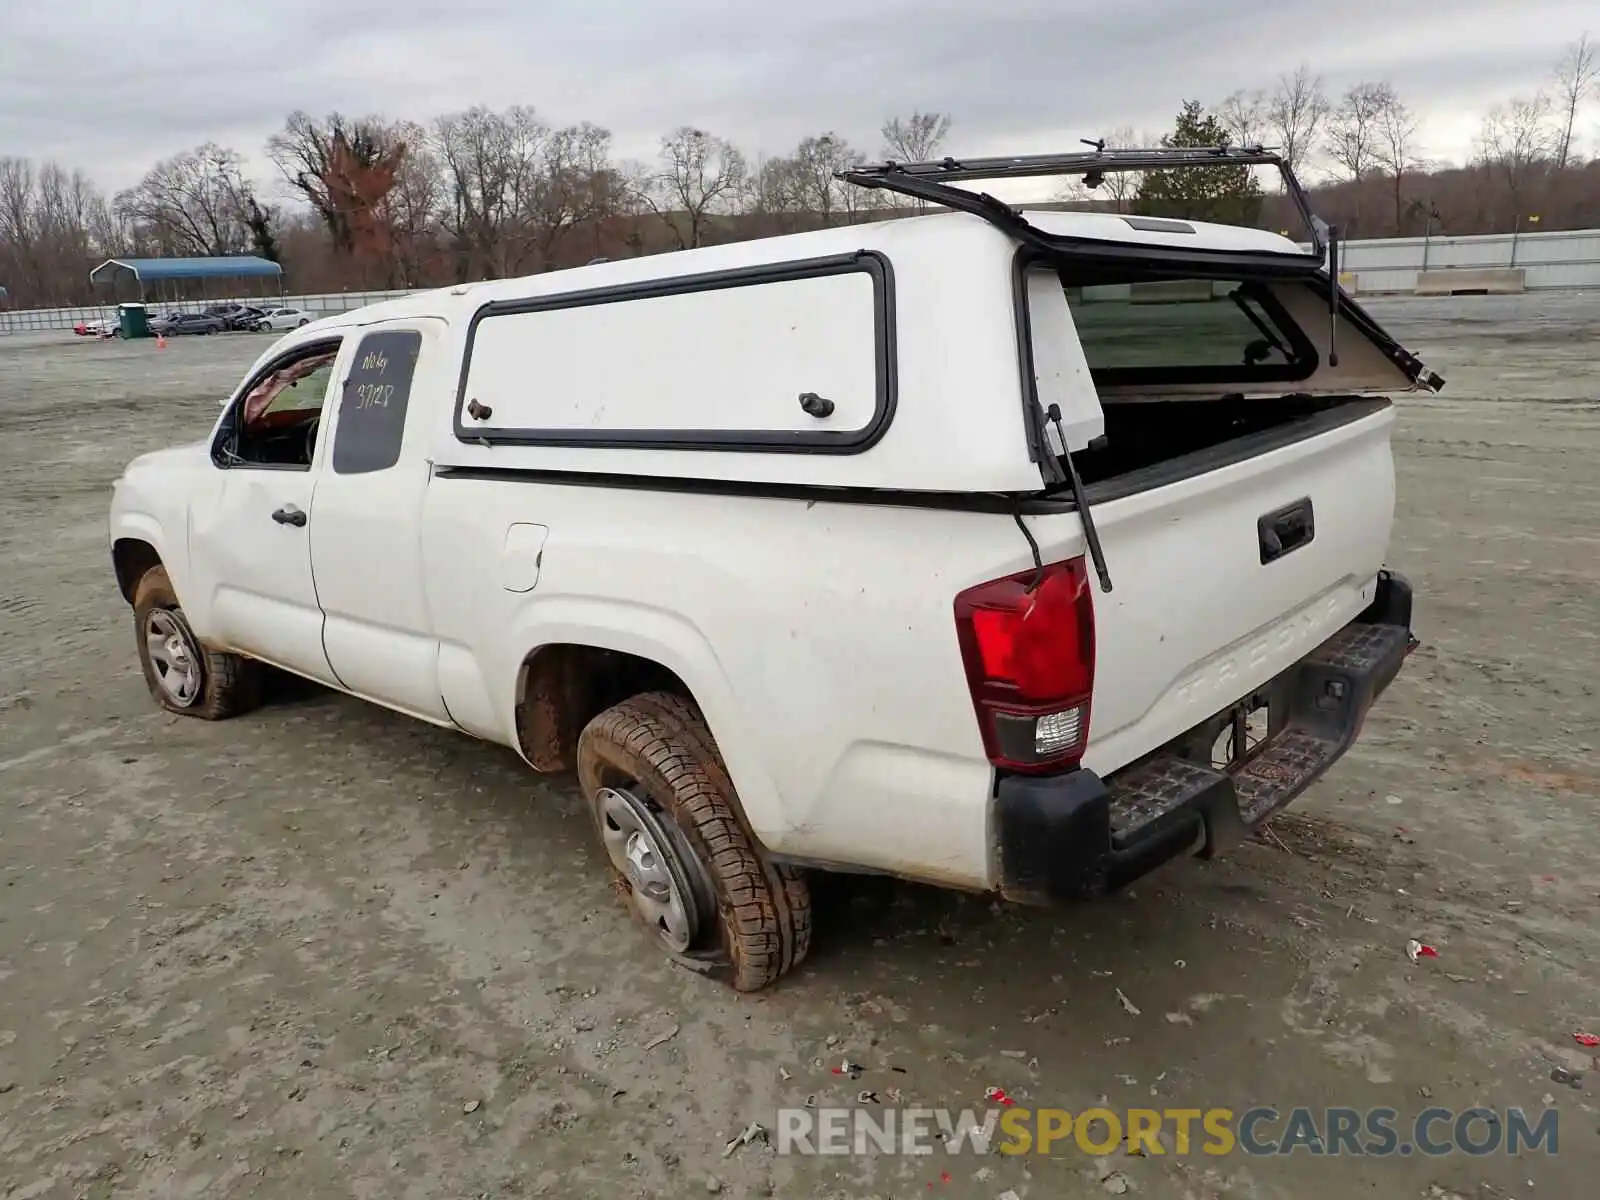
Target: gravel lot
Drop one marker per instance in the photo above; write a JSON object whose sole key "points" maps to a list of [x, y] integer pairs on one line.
{"points": [[283, 956]]}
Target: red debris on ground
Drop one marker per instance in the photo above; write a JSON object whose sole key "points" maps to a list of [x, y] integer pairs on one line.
{"points": [[1416, 950]]}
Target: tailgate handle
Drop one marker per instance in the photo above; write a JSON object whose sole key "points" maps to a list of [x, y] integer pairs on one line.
{"points": [[1286, 529]]}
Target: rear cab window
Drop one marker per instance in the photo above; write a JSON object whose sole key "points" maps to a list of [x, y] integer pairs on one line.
{"points": [[376, 396]]}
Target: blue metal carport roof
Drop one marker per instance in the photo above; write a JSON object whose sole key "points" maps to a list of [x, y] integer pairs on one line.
{"points": [[148, 270]]}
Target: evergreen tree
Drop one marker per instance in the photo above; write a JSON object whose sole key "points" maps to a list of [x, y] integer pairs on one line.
{"points": [[1228, 195]]}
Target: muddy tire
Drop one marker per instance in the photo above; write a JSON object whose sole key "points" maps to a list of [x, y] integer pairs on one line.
{"points": [[183, 676], [666, 811]]}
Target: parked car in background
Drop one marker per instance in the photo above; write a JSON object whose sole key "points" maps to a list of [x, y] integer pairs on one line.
{"points": [[237, 316], [101, 327], [276, 320], [174, 324]]}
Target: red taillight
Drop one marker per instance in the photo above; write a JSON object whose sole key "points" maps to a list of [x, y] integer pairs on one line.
{"points": [[1028, 645]]}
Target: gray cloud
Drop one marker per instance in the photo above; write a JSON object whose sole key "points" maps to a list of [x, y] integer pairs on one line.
{"points": [[81, 85]]}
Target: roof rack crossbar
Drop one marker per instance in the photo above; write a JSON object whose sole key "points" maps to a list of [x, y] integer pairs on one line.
{"points": [[932, 180], [1073, 163]]}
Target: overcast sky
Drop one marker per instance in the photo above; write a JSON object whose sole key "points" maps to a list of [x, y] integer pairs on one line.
{"points": [[82, 83]]}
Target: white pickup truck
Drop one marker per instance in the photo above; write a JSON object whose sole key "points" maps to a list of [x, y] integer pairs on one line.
{"points": [[1010, 552]]}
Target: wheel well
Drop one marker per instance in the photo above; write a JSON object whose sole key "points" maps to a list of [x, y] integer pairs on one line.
{"points": [[562, 687], [131, 558]]}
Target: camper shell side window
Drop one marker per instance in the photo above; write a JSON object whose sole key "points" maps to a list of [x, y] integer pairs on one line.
{"points": [[786, 357]]}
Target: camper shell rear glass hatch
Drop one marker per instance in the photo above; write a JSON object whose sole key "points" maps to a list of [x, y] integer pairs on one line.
{"points": [[1188, 330], [1150, 248], [1246, 270]]}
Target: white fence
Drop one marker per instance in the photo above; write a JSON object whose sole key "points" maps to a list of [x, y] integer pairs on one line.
{"points": [[1560, 260], [44, 319]]}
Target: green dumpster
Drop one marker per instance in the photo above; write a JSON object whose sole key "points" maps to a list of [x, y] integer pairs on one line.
{"points": [[133, 320]]}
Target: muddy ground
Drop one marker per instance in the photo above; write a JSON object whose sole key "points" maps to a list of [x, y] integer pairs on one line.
{"points": [[283, 956]]}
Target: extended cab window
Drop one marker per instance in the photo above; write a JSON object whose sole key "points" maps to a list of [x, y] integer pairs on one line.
{"points": [[275, 422], [1186, 330], [372, 411]]}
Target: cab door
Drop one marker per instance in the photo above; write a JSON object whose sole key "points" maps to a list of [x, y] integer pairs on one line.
{"points": [[366, 521], [249, 540]]}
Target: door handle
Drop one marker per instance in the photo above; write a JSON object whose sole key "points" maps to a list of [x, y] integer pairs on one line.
{"points": [[1286, 529], [289, 515]]}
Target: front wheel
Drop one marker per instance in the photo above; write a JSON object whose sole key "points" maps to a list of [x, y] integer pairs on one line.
{"points": [[679, 853], [183, 676]]}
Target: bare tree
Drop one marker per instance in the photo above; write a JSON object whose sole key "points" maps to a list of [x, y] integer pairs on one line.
{"points": [[481, 193], [52, 223], [1517, 143], [700, 174], [1243, 114], [515, 188], [1577, 76], [772, 188], [1122, 187], [195, 203], [817, 159], [1397, 151], [1355, 129], [576, 182], [413, 206], [18, 232], [916, 138], [488, 161], [1297, 110]]}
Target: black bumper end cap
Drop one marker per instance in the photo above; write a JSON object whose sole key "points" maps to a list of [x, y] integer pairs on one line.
{"points": [[1391, 601], [1052, 836]]}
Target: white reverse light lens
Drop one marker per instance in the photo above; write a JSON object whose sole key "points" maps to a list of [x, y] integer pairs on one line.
{"points": [[1058, 731]]}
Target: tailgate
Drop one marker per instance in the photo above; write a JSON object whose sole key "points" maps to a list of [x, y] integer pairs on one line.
{"points": [[1197, 620]]}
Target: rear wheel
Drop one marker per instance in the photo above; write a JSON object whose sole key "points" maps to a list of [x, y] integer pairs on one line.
{"points": [[182, 675], [679, 853]]}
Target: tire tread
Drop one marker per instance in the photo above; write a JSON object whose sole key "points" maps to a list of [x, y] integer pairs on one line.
{"points": [[765, 907]]}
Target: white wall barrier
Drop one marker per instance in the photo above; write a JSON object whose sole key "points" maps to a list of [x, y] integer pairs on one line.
{"points": [[1559, 260]]}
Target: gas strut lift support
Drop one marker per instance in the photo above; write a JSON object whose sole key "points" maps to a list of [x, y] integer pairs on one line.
{"points": [[937, 181]]}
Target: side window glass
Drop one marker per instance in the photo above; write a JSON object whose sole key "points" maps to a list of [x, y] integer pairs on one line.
{"points": [[275, 423], [372, 411]]}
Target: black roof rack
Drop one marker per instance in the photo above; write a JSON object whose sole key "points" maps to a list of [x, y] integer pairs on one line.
{"points": [[934, 180]]}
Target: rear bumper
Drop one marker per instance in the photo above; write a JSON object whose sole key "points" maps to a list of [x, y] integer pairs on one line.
{"points": [[1076, 835]]}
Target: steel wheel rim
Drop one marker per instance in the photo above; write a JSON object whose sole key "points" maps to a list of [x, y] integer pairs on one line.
{"points": [[173, 658], [659, 867]]}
